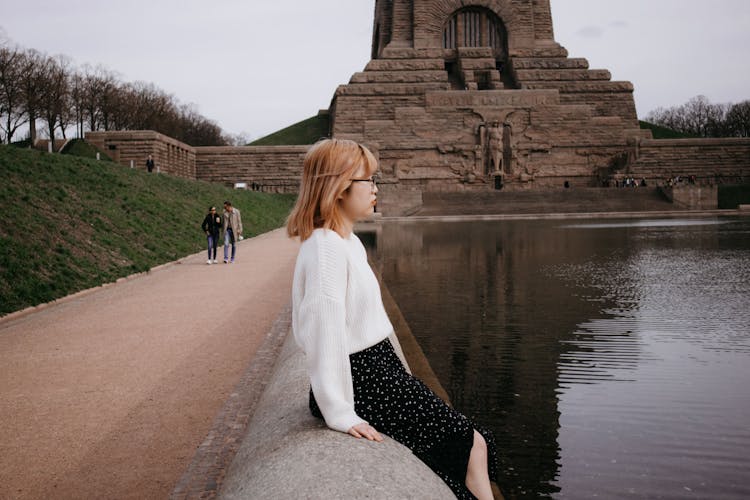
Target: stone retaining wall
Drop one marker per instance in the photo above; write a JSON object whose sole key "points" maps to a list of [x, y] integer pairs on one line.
{"points": [[692, 197], [287, 453], [725, 160], [170, 155], [273, 169]]}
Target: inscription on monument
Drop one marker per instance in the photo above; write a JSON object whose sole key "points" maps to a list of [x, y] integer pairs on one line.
{"points": [[500, 98]]}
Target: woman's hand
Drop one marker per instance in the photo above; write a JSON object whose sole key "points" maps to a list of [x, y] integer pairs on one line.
{"points": [[366, 431]]}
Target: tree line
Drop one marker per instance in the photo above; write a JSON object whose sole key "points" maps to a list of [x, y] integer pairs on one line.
{"points": [[700, 118], [38, 90]]}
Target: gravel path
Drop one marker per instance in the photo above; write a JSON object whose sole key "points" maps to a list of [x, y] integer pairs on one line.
{"points": [[108, 394]]}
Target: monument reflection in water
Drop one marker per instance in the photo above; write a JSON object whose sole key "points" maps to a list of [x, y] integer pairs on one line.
{"points": [[611, 359]]}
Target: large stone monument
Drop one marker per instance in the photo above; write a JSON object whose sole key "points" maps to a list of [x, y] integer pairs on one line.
{"points": [[477, 95], [464, 101]]}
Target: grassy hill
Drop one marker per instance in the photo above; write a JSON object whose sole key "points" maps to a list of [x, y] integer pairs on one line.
{"points": [[304, 132], [72, 223], [79, 147], [660, 132]]}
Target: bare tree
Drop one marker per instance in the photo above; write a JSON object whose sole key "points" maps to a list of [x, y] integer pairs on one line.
{"points": [[197, 130], [698, 117], [702, 118], [154, 107], [53, 98], [95, 81], [738, 119], [241, 139], [107, 97], [77, 100], [35, 86], [32, 87], [123, 107], [11, 94]]}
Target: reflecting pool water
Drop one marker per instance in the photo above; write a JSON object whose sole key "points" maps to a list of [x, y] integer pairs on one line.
{"points": [[611, 359]]}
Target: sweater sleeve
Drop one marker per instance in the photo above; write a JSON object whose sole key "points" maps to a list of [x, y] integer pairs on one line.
{"points": [[322, 334]]}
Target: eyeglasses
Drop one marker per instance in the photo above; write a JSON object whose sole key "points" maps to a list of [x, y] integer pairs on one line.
{"points": [[372, 180]]}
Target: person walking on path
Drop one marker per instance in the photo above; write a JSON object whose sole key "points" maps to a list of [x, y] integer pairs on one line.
{"points": [[232, 226], [358, 384], [212, 227], [150, 164]]}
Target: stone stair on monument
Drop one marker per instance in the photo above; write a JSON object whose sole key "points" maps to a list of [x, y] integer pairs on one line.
{"points": [[573, 200], [721, 160], [576, 83]]}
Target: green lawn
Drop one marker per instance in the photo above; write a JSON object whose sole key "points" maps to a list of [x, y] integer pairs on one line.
{"points": [[660, 132], [72, 223], [79, 147], [307, 131]]}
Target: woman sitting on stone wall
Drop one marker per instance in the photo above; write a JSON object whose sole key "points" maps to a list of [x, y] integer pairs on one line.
{"points": [[358, 384]]}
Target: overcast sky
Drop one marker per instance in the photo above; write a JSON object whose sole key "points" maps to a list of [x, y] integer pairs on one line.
{"points": [[256, 66]]}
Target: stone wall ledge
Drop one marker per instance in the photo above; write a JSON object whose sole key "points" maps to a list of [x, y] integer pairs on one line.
{"points": [[405, 65], [136, 135], [698, 142], [287, 453], [396, 89], [547, 63], [541, 75], [415, 76], [582, 86], [251, 149]]}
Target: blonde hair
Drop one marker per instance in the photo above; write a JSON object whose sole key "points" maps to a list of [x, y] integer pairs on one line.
{"points": [[326, 174]]}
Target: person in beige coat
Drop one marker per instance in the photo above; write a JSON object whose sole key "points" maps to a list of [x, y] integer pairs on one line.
{"points": [[232, 226]]}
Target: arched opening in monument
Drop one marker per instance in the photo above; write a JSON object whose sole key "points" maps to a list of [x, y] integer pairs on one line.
{"points": [[476, 27], [481, 28]]}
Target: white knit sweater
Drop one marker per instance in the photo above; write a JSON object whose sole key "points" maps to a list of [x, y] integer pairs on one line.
{"points": [[337, 310]]}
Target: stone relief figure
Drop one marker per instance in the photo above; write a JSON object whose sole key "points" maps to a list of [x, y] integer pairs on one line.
{"points": [[527, 171], [490, 149], [495, 144]]}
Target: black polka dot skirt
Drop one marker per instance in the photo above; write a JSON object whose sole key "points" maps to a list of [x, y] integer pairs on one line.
{"points": [[402, 407]]}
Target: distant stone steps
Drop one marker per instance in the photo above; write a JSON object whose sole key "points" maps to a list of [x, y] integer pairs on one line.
{"points": [[405, 65], [576, 83], [377, 89], [531, 75], [571, 87], [413, 76], [573, 200], [706, 159], [520, 63]]}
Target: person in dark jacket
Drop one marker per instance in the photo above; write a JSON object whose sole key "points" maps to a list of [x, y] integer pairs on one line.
{"points": [[212, 226]]}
